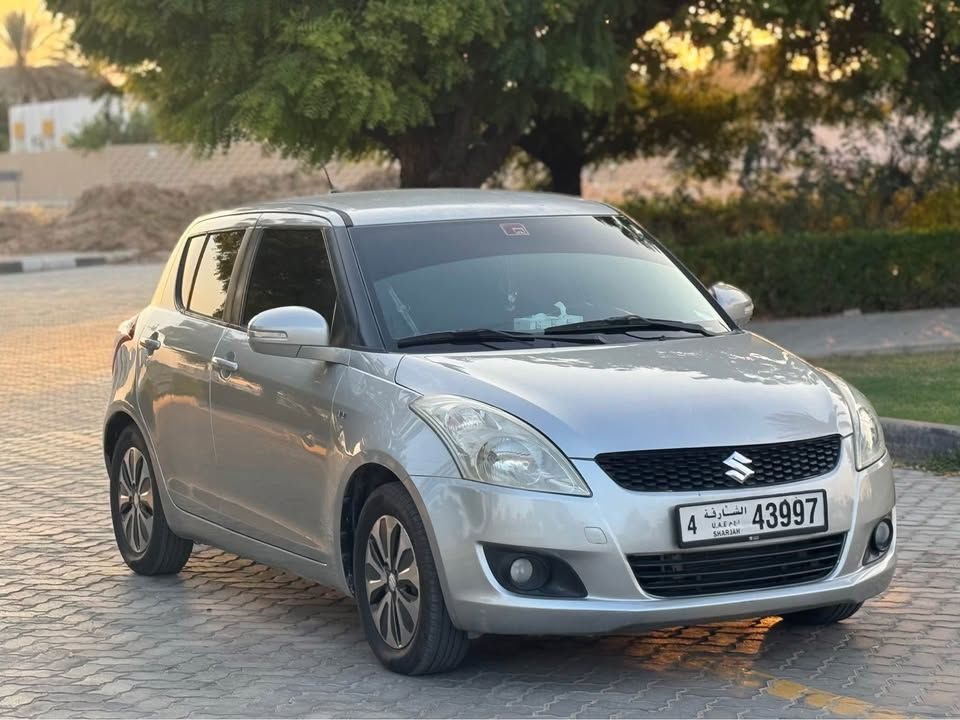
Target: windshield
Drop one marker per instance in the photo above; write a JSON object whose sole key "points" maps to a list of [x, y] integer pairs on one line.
{"points": [[522, 276]]}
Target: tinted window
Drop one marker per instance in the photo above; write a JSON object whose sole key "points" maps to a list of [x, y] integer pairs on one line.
{"points": [[190, 259], [209, 291], [523, 275], [291, 268]]}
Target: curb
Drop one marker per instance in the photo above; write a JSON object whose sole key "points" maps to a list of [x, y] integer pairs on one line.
{"points": [[905, 349], [62, 261], [912, 441]]}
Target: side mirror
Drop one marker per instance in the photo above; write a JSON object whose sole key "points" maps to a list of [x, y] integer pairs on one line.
{"points": [[736, 302], [285, 331]]}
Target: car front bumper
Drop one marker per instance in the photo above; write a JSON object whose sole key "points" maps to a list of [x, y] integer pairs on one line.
{"points": [[595, 534]]}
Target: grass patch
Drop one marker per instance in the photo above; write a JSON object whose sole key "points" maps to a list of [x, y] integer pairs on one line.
{"points": [[944, 464], [911, 387]]}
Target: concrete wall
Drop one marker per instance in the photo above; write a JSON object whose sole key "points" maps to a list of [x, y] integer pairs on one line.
{"points": [[59, 177]]}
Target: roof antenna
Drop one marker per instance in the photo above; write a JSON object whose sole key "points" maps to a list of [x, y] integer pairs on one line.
{"points": [[329, 181]]}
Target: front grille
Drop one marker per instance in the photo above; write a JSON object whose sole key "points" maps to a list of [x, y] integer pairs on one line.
{"points": [[754, 567], [699, 469]]}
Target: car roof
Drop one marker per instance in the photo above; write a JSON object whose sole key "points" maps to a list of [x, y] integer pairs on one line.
{"points": [[384, 207]]}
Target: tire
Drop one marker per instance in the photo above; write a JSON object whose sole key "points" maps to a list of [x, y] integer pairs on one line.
{"points": [[146, 542], [409, 632], [823, 615]]}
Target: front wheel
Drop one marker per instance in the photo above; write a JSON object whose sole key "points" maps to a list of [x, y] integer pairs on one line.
{"points": [[823, 615], [398, 588]]}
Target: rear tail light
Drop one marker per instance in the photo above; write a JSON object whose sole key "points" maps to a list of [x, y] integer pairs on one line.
{"points": [[125, 332]]}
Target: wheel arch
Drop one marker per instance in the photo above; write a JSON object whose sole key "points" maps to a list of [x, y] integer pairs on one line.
{"points": [[120, 416], [365, 478], [363, 481], [116, 423]]}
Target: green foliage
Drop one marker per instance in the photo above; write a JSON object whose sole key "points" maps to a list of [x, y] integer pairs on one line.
{"points": [[899, 52], [948, 464], [447, 87], [683, 220], [451, 88], [853, 64], [105, 129], [938, 210], [831, 191], [794, 275]]}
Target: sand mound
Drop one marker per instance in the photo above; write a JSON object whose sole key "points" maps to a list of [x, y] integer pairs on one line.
{"points": [[148, 218]]}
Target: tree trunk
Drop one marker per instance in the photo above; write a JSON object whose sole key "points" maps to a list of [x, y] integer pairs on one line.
{"points": [[565, 174], [447, 156], [558, 143], [417, 164]]}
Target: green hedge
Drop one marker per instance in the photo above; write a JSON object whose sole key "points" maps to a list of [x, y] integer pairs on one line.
{"points": [[819, 274]]}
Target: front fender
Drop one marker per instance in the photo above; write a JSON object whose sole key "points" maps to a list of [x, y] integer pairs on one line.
{"points": [[373, 424]]}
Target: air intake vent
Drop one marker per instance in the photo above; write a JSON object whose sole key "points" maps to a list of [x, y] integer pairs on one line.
{"points": [[752, 567]]}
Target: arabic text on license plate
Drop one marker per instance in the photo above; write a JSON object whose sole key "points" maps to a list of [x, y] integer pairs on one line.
{"points": [[752, 518]]}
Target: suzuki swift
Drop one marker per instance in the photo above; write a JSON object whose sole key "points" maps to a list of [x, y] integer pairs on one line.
{"points": [[487, 412]]}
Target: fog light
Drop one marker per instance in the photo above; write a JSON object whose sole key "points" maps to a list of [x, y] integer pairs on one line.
{"points": [[532, 572], [882, 536], [521, 572]]}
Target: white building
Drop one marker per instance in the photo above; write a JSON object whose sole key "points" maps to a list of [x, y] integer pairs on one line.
{"points": [[42, 126]]}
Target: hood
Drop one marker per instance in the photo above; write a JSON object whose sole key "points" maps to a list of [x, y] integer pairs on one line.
{"points": [[734, 389]]}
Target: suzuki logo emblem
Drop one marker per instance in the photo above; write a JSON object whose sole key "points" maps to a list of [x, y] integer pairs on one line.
{"points": [[739, 466]]}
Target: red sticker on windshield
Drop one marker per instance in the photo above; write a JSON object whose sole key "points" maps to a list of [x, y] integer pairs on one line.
{"points": [[514, 229]]}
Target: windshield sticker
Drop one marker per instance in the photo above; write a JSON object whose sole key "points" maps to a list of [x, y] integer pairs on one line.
{"points": [[512, 229]]}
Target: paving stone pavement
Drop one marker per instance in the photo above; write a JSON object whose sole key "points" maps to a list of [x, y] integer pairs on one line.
{"points": [[80, 635]]}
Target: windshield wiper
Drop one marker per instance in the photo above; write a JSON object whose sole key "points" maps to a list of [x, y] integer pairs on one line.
{"points": [[625, 323], [482, 335]]}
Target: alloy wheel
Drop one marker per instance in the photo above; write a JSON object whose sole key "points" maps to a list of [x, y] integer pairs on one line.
{"points": [[392, 581], [135, 500]]}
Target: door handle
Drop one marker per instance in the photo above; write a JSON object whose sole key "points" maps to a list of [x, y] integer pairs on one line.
{"points": [[150, 344], [225, 366]]}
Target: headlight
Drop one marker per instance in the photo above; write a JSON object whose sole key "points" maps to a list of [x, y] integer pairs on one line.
{"points": [[493, 447], [867, 430], [867, 433]]}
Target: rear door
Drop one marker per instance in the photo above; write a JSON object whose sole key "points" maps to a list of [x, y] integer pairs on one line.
{"points": [[173, 389], [272, 415]]}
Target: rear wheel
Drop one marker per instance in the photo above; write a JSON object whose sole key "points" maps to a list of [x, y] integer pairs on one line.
{"points": [[146, 542], [398, 588], [823, 615]]}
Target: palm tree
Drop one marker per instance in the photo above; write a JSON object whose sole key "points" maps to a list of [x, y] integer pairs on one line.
{"points": [[24, 81]]}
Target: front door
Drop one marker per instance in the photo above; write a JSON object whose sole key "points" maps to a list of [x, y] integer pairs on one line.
{"points": [[271, 415]]}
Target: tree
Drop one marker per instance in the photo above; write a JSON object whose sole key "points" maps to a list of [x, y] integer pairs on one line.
{"points": [[702, 125], [28, 39], [662, 108], [860, 64], [111, 128], [448, 88]]}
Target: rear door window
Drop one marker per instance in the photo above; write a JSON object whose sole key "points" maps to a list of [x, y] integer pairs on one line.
{"points": [[208, 293]]}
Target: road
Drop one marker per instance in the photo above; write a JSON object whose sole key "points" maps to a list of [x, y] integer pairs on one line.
{"points": [[80, 635]]}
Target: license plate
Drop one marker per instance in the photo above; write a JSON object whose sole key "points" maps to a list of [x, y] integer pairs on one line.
{"points": [[752, 518]]}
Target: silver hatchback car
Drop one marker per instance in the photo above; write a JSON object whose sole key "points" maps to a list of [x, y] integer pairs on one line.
{"points": [[487, 412]]}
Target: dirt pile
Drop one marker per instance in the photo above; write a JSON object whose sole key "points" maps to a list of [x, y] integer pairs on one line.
{"points": [[148, 218]]}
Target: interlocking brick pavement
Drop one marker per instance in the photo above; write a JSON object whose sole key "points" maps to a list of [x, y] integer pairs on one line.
{"points": [[80, 635]]}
